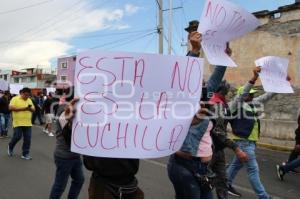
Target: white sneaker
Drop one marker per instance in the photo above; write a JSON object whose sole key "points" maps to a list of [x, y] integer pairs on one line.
{"points": [[50, 134], [46, 131]]}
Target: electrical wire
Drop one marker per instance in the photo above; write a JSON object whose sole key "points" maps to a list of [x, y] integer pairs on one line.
{"points": [[165, 37], [159, 6], [113, 34], [183, 11], [53, 26], [133, 40], [75, 18], [40, 25], [119, 44], [25, 7], [148, 43], [88, 36]]}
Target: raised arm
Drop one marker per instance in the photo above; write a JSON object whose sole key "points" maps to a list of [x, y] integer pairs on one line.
{"points": [[246, 89], [216, 77]]}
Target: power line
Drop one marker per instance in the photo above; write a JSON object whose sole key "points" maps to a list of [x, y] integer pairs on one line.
{"points": [[132, 40], [71, 19], [183, 11], [25, 7], [40, 25], [165, 37], [119, 40], [86, 36], [160, 6], [167, 40], [51, 26], [176, 30], [117, 33], [148, 43]]}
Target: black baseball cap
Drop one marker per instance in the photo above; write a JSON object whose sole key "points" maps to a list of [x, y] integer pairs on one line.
{"points": [[193, 26]]}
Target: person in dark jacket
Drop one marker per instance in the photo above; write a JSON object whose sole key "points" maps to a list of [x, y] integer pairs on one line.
{"points": [[221, 116], [67, 163], [38, 110], [113, 178], [294, 160], [192, 160], [4, 114]]}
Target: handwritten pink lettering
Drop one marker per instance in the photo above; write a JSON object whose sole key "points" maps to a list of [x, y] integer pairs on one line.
{"points": [[125, 136]]}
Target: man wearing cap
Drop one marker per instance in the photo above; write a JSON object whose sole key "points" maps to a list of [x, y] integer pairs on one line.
{"points": [[180, 166], [246, 130], [192, 36], [219, 136]]}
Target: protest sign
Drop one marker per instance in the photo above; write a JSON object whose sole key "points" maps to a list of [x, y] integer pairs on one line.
{"points": [[50, 90], [15, 88], [221, 22], [274, 73], [134, 105], [3, 85]]}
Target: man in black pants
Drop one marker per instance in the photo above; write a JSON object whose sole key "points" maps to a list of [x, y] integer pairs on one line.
{"points": [[219, 107], [295, 153], [38, 111]]}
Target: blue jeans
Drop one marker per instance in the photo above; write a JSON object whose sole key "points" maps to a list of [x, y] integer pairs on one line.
{"points": [[20, 131], [184, 182], [291, 165], [4, 122], [64, 169], [252, 168]]}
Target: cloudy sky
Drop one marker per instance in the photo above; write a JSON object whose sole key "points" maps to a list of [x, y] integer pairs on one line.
{"points": [[36, 32]]}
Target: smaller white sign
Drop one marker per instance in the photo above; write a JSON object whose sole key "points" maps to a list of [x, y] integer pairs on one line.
{"points": [[15, 88], [50, 90], [3, 85], [274, 73]]}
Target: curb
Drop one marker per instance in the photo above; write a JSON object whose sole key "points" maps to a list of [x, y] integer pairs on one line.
{"points": [[274, 147]]}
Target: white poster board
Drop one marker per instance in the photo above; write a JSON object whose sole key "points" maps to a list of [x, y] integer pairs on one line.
{"points": [[134, 105], [4, 85], [221, 22], [50, 90], [15, 88], [273, 74]]}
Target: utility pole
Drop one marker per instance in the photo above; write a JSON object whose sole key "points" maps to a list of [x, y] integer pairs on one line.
{"points": [[160, 28], [170, 27]]}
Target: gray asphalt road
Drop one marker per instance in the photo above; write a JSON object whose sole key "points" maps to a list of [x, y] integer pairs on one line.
{"points": [[21, 179]]}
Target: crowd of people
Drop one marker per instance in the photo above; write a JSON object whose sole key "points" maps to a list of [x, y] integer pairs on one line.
{"points": [[195, 170]]}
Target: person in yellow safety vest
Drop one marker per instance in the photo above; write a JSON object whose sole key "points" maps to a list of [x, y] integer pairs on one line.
{"points": [[246, 129]]}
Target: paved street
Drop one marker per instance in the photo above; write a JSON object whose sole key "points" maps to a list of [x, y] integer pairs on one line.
{"points": [[33, 179]]}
